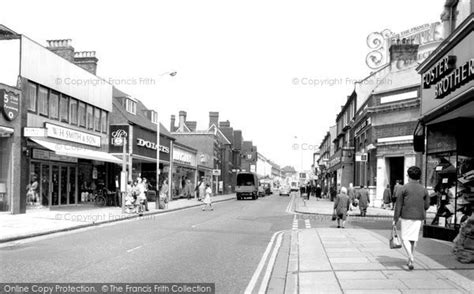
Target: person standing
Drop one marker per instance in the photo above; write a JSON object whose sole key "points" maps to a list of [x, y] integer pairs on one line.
{"points": [[364, 200], [412, 202], [387, 198], [164, 193], [202, 190], [395, 193], [207, 199], [318, 192], [188, 191], [341, 206]]}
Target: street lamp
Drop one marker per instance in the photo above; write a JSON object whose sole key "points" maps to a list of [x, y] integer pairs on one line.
{"points": [[157, 200]]}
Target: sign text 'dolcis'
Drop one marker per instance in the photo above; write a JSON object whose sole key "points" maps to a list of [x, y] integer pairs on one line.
{"points": [[151, 145]]}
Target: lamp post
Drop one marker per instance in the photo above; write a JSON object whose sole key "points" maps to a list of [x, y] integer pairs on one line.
{"points": [[157, 200]]}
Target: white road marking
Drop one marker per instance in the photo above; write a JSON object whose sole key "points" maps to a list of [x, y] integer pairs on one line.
{"points": [[295, 223], [289, 207], [133, 249], [307, 223], [259, 268], [270, 265]]}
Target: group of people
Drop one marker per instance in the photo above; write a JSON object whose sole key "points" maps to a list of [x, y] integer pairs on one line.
{"points": [[310, 190], [411, 202], [136, 195], [389, 198]]}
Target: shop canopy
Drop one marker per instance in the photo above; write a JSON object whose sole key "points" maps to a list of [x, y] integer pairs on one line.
{"points": [[72, 151]]}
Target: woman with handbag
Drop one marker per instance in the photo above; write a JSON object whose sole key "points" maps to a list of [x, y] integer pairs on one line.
{"points": [[412, 202], [341, 206]]}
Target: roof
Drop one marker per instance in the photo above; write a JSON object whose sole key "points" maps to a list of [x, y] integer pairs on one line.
{"points": [[396, 80], [139, 119]]}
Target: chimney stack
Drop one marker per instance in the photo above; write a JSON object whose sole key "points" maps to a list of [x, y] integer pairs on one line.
{"points": [[224, 124], [182, 120], [62, 48], [172, 123], [86, 60], [403, 52], [213, 118], [192, 125]]}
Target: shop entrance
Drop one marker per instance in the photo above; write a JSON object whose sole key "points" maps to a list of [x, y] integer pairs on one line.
{"points": [[57, 184], [396, 167]]}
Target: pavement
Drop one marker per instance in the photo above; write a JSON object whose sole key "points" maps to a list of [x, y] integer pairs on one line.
{"points": [[321, 258], [326, 207], [43, 221]]}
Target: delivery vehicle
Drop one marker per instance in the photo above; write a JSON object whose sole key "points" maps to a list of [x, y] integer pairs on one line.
{"points": [[294, 186], [247, 185], [285, 190]]}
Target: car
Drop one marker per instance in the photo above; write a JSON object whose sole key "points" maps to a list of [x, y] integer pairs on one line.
{"points": [[267, 188], [261, 191], [285, 190], [247, 186]]}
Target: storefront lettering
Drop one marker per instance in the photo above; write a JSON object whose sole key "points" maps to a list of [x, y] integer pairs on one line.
{"points": [[61, 133], [151, 145], [439, 70], [183, 156], [117, 137], [455, 79]]}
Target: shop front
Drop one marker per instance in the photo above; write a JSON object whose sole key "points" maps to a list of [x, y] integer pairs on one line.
{"points": [[446, 126], [185, 169], [141, 155], [66, 166]]}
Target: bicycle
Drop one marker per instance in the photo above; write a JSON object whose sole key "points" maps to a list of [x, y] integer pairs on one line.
{"points": [[100, 197]]}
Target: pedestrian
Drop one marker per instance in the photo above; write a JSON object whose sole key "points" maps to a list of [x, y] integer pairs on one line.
{"points": [[341, 206], [207, 199], [202, 190], [387, 198], [318, 192], [351, 194], [164, 191], [332, 192], [412, 202], [32, 191], [364, 200], [188, 190], [145, 186], [395, 194]]}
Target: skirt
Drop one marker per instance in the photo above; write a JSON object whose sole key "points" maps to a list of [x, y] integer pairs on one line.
{"points": [[410, 229]]}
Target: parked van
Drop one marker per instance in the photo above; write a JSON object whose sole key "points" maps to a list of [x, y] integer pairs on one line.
{"points": [[247, 185]]}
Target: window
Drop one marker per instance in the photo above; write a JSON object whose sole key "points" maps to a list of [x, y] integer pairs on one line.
{"points": [[131, 106], [43, 101], [64, 108], [90, 117], [53, 105], [73, 111], [32, 96], [81, 113], [103, 122], [97, 119], [154, 117]]}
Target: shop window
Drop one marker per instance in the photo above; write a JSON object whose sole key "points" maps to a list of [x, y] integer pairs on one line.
{"points": [[32, 96], [97, 119], [64, 108], [43, 101], [53, 105], [81, 114], [131, 106], [73, 111], [90, 117], [103, 121]]}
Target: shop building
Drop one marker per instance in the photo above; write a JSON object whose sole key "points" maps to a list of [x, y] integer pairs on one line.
{"points": [[333, 161], [322, 162], [445, 135], [133, 120], [185, 168], [64, 121], [249, 157]]}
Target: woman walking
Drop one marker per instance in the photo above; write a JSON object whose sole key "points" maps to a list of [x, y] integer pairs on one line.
{"points": [[341, 206], [364, 200], [412, 202], [207, 199]]}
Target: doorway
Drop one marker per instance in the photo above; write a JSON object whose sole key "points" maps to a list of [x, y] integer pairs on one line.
{"points": [[396, 166], [57, 183]]}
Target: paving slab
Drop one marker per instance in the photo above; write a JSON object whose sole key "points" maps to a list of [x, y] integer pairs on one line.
{"points": [[348, 260], [372, 284], [378, 291], [358, 266], [357, 275], [319, 282], [427, 284]]}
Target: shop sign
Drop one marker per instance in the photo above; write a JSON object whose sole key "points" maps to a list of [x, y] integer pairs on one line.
{"points": [[361, 157], [183, 156], [362, 125], [34, 132], [71, 135], [151, 145], [118, 137], [446, 77], [10, 104], [216, 172], [49, 155]]}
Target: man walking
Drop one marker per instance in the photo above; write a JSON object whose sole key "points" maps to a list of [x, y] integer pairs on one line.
{"points": [[364, 200], [395, 193], [351, 194]]}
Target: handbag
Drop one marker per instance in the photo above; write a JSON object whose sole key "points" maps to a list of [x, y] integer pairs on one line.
{"points": [[395, 242], [334, 217]]}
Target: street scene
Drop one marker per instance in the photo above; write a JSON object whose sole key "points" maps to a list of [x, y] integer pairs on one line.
{"points": [[250, 147]]}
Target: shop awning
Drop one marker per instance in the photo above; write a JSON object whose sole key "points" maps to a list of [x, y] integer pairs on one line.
{"points": [[73, 151]]}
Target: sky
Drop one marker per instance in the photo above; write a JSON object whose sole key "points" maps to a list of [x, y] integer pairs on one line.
{"points": [[278, 70]]}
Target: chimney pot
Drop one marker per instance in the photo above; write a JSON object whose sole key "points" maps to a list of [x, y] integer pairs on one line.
{"points": [[182, 120]]}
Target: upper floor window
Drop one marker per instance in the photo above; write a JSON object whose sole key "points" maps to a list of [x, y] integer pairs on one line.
{"points": [[97, 119], [81, 113], [64, 108], [90, 117], [43, 101], [53, 105], [32, 96], [103, 121], [73, 111], [154, 117], [131, 106]]}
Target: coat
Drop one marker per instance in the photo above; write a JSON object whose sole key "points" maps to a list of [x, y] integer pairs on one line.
{"points": [[387, 196], [341, 205], [363, 197]]}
